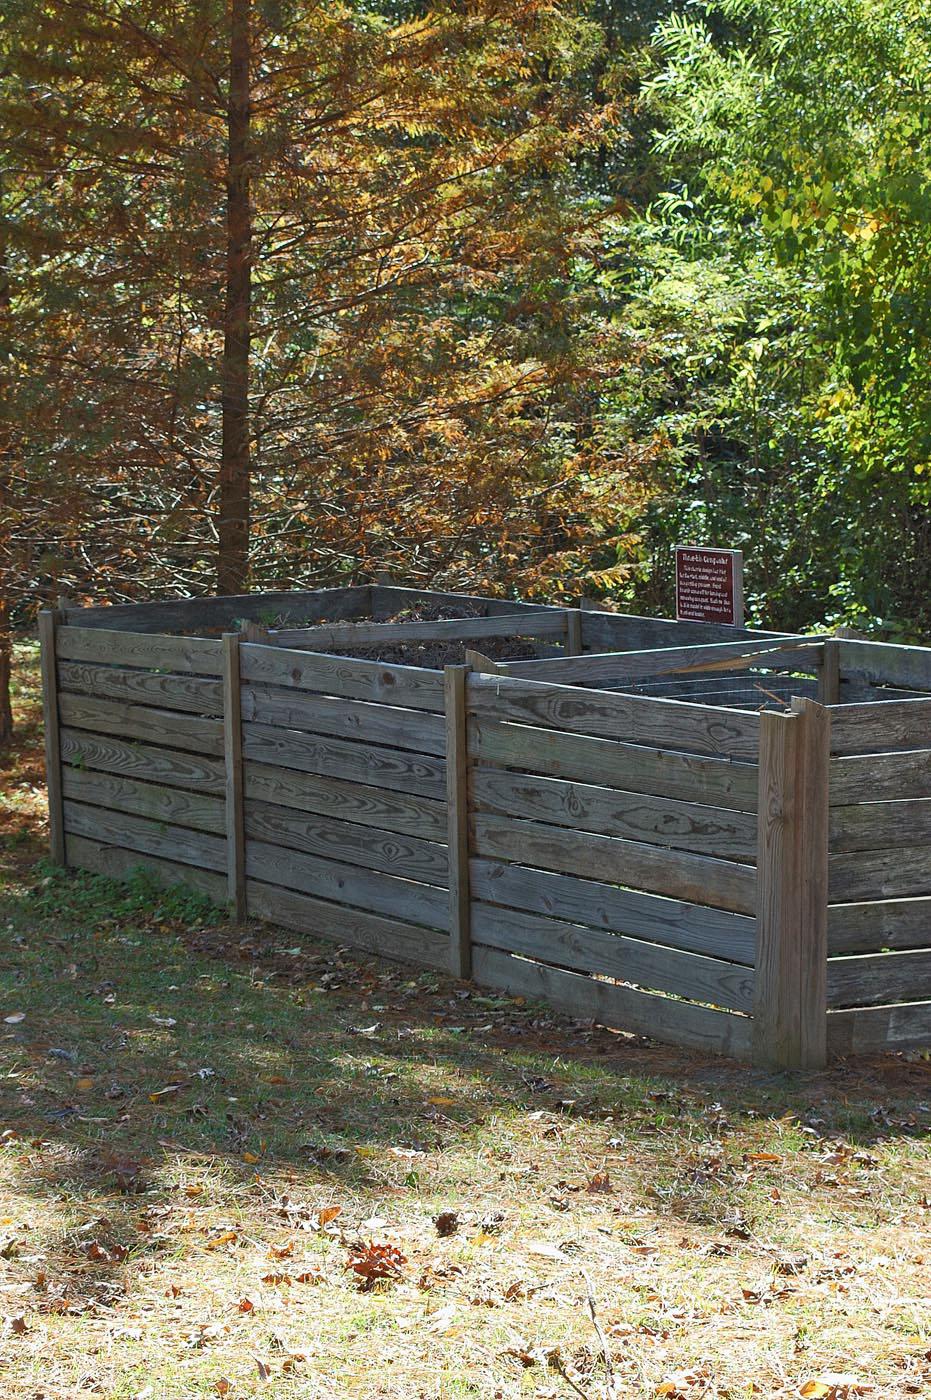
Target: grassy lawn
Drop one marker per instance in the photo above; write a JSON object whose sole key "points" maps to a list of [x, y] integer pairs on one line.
{"points": [[204, 1130]]}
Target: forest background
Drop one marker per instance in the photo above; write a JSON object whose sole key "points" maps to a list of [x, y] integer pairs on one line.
{"points": [[505, 295]]}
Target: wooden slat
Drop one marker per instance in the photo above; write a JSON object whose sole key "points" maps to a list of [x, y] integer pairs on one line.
{"points": [[873, 826], [355, 635], [605, 631], [386, 938], [870, 926], [605, 811], [347, 719], [163, 804], [678, 1022], [881, 727], [409, 687], [88, 854], [885, 663], [149, 837], [163, 727], [887, 874], [196, 694], [348, 884], [154, 765], [457, 806], [870, 1030], [188, 655], [672, 922], [879, 978], [696, 879], [403, 813], [233, 763], [225, 612], [594, 669], [635, 719], [607, 763], [406, 856], [389, 599], [880, 777], [626, 959], [48, 626], [338, 758]]}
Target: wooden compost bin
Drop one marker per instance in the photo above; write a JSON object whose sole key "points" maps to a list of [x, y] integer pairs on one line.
{"points": [[720, 843]]}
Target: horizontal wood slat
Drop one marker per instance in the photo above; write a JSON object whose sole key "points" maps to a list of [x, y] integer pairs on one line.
{"points": [[195, 694], [85, 853], [148, 837], [593, 669], [404, 813], [882, 777], [407, 856], [872, 925], [226, 612], [374, 634], [605, 631], [888, 874], [409, 687], [190, 655], [885, 663], [873, 826], [870, 1030], [164, 804], [879, 978], [389, 599], [166, 728], [348, 719], [881, 727], [151, 764], [339, 758]]}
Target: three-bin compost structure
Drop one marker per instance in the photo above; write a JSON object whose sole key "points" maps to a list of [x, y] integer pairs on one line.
{"points": [[713, 836]]}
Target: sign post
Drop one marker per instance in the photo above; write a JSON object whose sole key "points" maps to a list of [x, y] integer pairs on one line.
{"points": [[709, 585]]}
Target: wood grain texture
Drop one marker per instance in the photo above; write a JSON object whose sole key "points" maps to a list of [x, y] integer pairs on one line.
{"points": [[674, 923], [197, 695], [886, 874], [883, 777], [875, 826], [233, 762], [606, 631], [829, 678], [879, 978], [870, 926], [876, 1028], [347, 719], [339, 758], [166, 728], [162, 804], [634, 864], [88, 854], [573, 632], [881, 727], [545, 623], [403, 813], [580, 949], [457, 806], [148, 837], [885, 663], [143, 761], [678, 1022], [226, 612], [409, 687], [185, 655], [333, 839], [389, 599], [48, 626], [594, 669]]}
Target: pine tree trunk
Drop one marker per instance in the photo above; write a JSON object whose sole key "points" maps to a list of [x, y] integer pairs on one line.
{"points": [[6, 668], [6, 638], [233, 524]]}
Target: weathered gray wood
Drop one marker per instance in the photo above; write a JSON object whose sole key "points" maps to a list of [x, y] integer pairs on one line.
{"points": [[354, 635], [226, 612], [331, 838], [348, 884], [829, 679], [403, 813], [686, 826], [605, 762], [882, 777], [879, 978], [153, 765], [573, 632], [594, 669], [389, 599], [634, 864], [605, 631], [672, 922], [338, 758], [612, 955], [876, 1028], [410, 687], [104, 859], [148, 837], [789, 1020], [888, 874], [875, 826], [872, 925], [162, 804], [644, 1013], [885, 663], [881, 727], [195, 694], [233, 759], [162, 727], [386, 938], [697, 729], [186, 655], [859, 692], [457, 804], [48, 626], [347, 719]]}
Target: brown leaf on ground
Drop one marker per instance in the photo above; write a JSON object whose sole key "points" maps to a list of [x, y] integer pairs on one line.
{"points": [[375, 1261]]}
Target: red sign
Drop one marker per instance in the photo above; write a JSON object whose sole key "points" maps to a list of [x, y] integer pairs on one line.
{"points": [[709, 585]]}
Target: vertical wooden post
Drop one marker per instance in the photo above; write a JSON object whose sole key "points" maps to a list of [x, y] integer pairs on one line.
{"points": [[254, 632], [457, 799], [48, 626], [232, 741], [790, 999], [829, 679], [573, 631]]}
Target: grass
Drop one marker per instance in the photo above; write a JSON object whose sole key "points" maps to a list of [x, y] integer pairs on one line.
{"points": [[201, 1125]]}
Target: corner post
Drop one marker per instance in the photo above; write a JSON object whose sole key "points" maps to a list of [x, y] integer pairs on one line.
{"points": [[48, 627], [232, 749], [829, 677], [790, 999], [457, 803], [573, 631]]}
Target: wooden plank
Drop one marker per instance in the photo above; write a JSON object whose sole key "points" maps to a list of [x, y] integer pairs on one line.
{"points": [[789, 1017], [140, 834], [887, 874], [354, 635], [829, 679], [403, 813], [644, 1013], [233, 759], [409, 687], [634, 864], [338, 758], [594, 669], [389, 599], [226, 612], [873, 826], [187, 655], [873, 1029], [347, 719], [605, 631], [612, 955], [154, 765], [672, 922], [195, 694], [331, 838], [573, 632], [88, 854], [162, 804], [348, 884], [856, 692], [687, 826], [881, 727], [163, 727], [386, 938], [880, 777], [608, 763], [885, 663], [870, 926], [669, 724], [879, 978], [48, 626], [457, 806]]}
